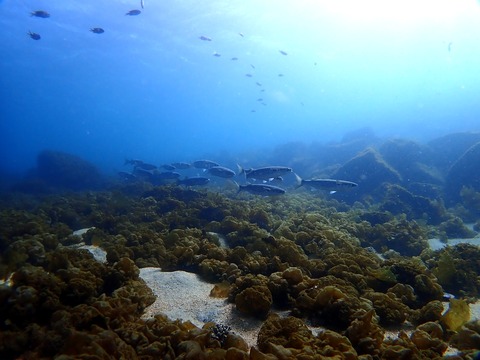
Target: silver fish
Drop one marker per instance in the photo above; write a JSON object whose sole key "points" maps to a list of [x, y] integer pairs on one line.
{"points": [[181, 165], [145, 166], [261, 189], [332, 185], [221, 171], [168, 167], [194, 181], [204, 164], [167, 175], [264, 173]]}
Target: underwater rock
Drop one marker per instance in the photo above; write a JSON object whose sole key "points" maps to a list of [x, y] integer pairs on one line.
{"points": [[457, 315], [59, 170], [432, 311], [390, 310], [399, 200], [454, 228], [412, 161], [365, 334], [457, 269], [369, 170], [448, 149], [463, 173], [255, 301], [405, 237], [467, 337], [289, 338]]}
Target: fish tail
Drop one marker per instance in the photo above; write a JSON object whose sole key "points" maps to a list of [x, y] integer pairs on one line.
{"points": [[241, 170], [237, 185], [298, 181]]}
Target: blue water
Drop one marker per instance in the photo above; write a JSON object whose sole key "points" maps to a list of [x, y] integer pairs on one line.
{"points": [[149, 88]]}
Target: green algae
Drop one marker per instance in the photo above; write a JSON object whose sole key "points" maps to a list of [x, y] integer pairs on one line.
{"points": [[298, 253]]}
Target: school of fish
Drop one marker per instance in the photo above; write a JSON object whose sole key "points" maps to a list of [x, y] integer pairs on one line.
{"points": [[262, 181]]}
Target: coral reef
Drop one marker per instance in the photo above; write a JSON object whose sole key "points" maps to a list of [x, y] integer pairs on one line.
{"points": [[301, 254]]}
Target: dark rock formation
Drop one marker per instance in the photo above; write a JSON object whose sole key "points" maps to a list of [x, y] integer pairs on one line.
{"points": [[57, 170], [370, 171], [449, 148], [463, 173]]}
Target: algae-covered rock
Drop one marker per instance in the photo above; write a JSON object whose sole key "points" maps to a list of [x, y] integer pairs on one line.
{"points": [[390, 310], [457, 269], [399, 200], [455, 228], [365, 334], [255, 301], [457, 315], [369, 170]]}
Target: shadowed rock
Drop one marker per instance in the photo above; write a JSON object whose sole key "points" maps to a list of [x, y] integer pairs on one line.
{"points": [[61, 170], [463, 173], [370, 171]]}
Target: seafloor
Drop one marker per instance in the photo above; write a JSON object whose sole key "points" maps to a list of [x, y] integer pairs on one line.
{"points": [[357, 269]]}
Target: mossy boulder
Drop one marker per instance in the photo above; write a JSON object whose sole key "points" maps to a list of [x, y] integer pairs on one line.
{"points": [[370, 170]]}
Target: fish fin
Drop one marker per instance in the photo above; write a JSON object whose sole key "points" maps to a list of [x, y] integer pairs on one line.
{"points": [[237, 185], [241, 170], [298, 180]]}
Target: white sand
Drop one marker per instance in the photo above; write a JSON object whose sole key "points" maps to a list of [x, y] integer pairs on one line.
{"points": [[182, 295]]}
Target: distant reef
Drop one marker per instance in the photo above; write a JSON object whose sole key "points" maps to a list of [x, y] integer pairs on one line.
{"points": [[444, 168]]}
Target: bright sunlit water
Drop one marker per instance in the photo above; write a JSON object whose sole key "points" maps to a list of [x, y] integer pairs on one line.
{"points": [[150, 88]]}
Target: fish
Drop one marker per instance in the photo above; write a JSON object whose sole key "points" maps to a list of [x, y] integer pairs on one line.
{"points": [[332, 185], [204, 164], [97, 30], [34, 36], [40, 13], [253, 66], [133, 12], [283, 52], [168, 167], [261, 189], [167, 175], [264, 173], [248, 75], [133, 162], [181, 165], [205, 38], [145, 166], [125, 176], [234, 58], [259, 99], [143, 174], [216, 54], [142, 4], [258, 84], [222, 172], [240, 34], [280, 75], [194, 181]]}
